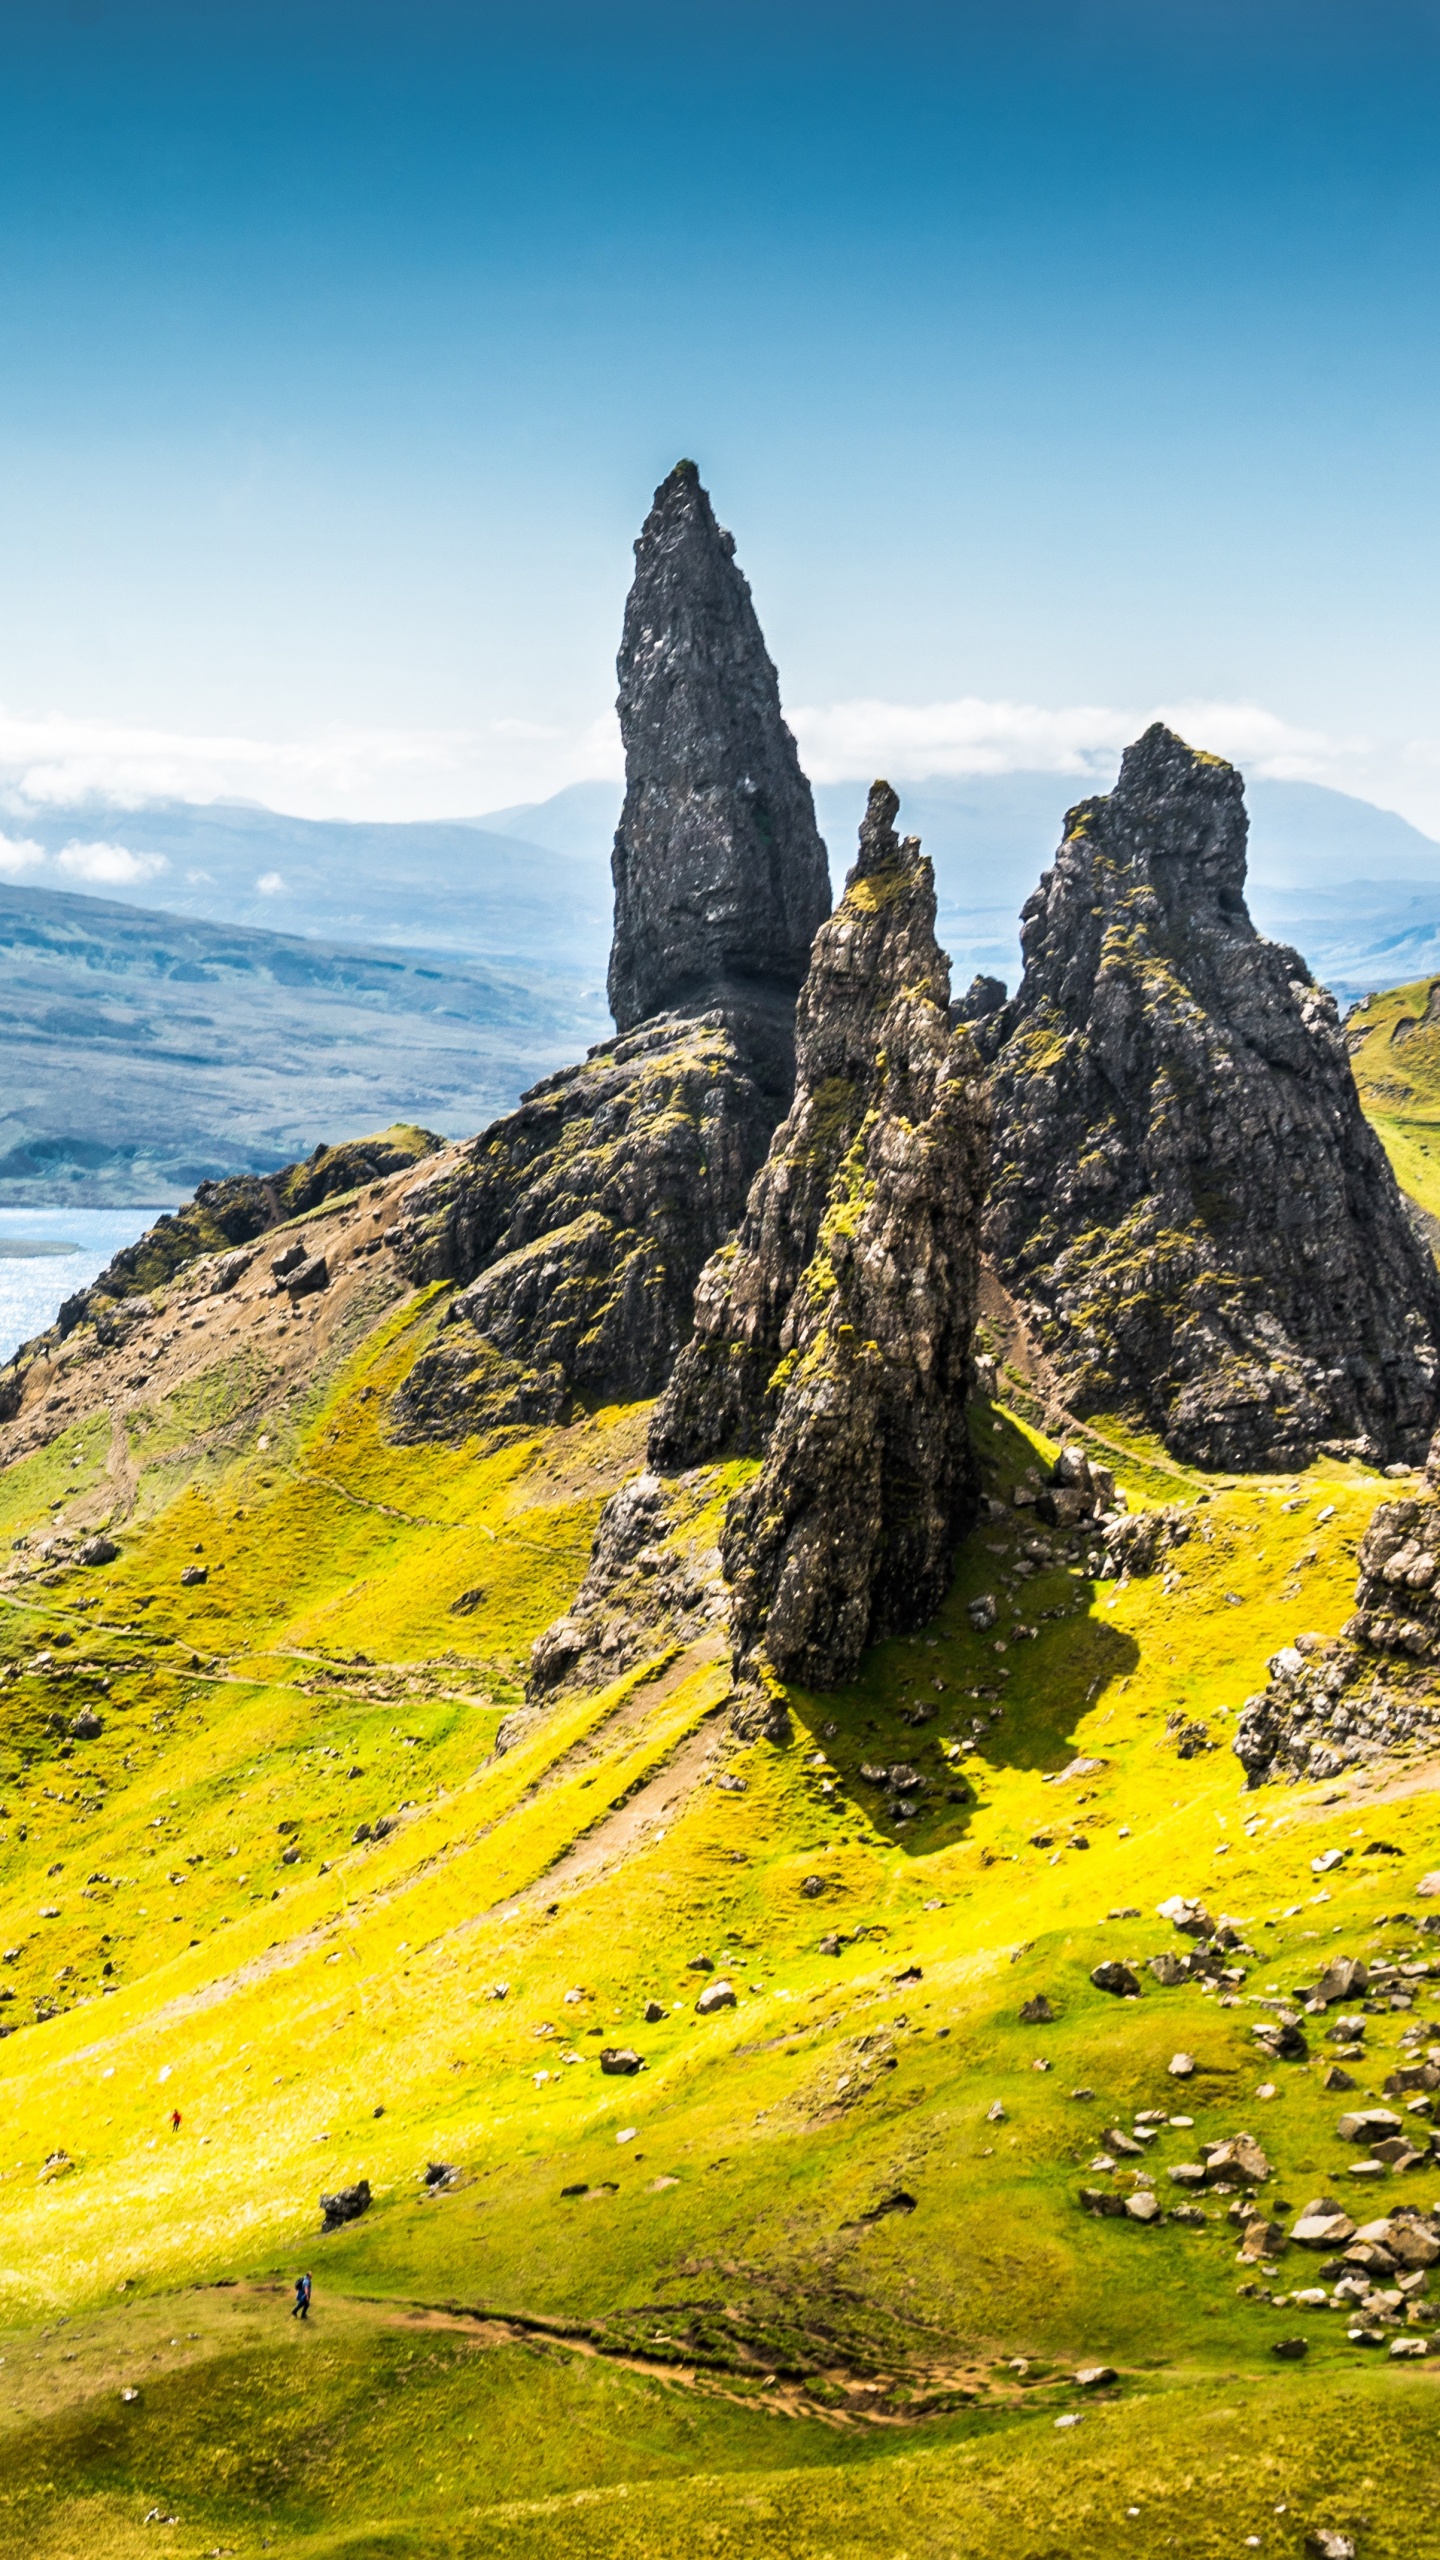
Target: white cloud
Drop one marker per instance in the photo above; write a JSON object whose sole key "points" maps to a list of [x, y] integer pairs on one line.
{"points": [[54, 761], [110, 866], [270, 884], [853, 740], [18, 855]]}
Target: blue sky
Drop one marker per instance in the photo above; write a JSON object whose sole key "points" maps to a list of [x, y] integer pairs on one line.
{"points": [[1048, 373]]}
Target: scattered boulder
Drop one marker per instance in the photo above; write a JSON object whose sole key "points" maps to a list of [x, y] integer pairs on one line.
{"points": [[1281, 2040], [309, 1276], [1365, 2123], [1344, 1978], [1118, 1979], [619, 2059], [1323, 2224], [1142, 2207], [346, 2205], [438, 2173], [97, 1551], [701, 1964], [87, 1726], [811, 1886], [1326, 2544], [1038, 2012], [1181, 2065], [1168, 1969], [194, 1573], [282, 1264], [1238, 2159], [653, 2012], [1290, 2350], [716, 1995], [1094, 2377], [1336, 2078]]}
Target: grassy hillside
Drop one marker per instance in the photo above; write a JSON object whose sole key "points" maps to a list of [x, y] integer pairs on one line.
{"points": [[1394, 1042], [812, 2281]]}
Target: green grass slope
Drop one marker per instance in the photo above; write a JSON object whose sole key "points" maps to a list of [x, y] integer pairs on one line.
{"points": [[815, 2279], [1394, 1042]]}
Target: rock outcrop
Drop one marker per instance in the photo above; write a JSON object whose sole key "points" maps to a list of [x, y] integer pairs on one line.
{"points": [[833, 1333], [1186, 1200], [721, 880], [1371, 1690], [577, 1226]]}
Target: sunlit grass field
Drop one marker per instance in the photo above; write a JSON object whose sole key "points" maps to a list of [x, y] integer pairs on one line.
{"points": [[814, 2279]]}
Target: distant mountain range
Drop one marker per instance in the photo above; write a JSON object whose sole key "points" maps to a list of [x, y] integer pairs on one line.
{"points": [[145, 1051], [260, 982]]}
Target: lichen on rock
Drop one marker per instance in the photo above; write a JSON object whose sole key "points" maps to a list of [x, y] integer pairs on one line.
{"points": [[833, 1334], [1187, 1202]]}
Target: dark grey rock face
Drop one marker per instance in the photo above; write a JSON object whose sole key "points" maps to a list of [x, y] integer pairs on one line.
{"points": [[833, 1334], [578, 1225], [720, 875], [1186, 1198]]}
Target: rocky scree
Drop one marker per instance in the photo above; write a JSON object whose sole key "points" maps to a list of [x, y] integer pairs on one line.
{"points": [[577, 1226], [833, 1333], [1187, 1201]]}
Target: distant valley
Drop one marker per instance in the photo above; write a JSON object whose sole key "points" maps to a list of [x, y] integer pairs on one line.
{"points": [[234, 985]]}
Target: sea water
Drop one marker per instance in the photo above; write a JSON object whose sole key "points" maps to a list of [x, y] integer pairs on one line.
{"points": [[47, 1254]]}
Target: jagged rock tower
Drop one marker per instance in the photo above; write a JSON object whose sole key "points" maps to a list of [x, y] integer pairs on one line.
{"points": [[720, 875], [577, 1225], [832, 1333], [1186, 1199]]}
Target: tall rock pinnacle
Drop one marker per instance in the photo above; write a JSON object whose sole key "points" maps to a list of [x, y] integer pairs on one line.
{"points": [[720, 873], [833, 1332], [1186, 1199], [575, 1227]]}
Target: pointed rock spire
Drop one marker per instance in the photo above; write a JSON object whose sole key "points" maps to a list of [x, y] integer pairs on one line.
{"points": [[720, 873], [833, 1333], [1198, 1221]]}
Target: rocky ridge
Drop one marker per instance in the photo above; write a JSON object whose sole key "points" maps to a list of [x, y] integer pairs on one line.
{"points": [[576, 1227], [833, 1331], [1187, 1200]]}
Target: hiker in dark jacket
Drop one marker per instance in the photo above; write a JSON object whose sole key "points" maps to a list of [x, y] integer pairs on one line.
{"points": [[300, 2310]]}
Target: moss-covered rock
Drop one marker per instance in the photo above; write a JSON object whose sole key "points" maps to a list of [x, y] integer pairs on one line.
{"points": [[1187, 1201]]}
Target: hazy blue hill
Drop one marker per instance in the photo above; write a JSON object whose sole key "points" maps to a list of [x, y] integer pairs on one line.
{"points": [[453, 887], [144, 1051]]}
